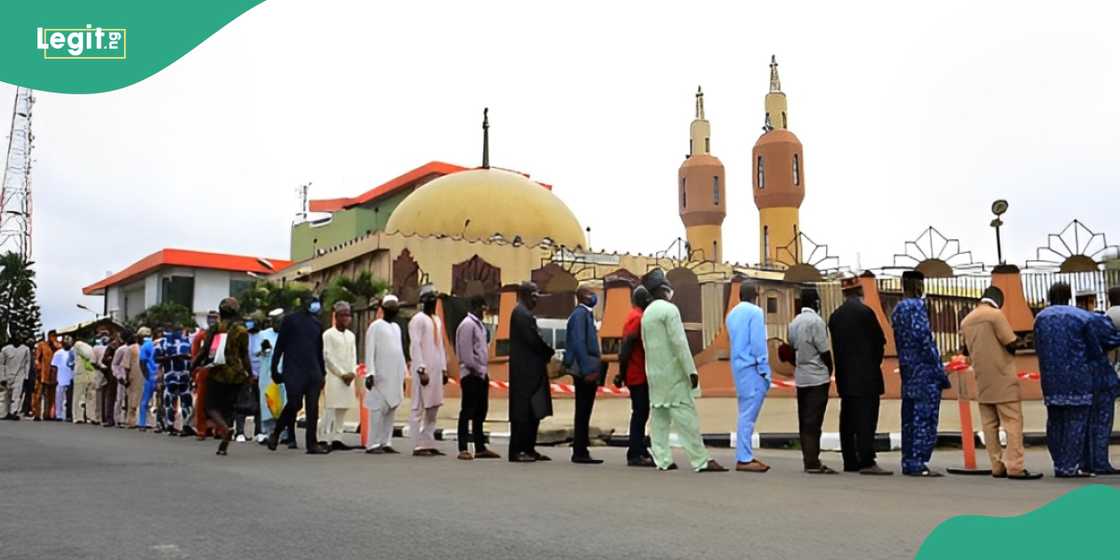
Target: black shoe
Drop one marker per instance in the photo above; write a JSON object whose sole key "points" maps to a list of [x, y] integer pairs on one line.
{"points": [[540, 457], [388, 449], [1106, 472], [339, 446], [1025, 475], [36, 419], [319, 450], [223, 447], [874, 470], [293, 445], [273, 440], [375, 451], [641, 462], [522, 458], [586, 460]]}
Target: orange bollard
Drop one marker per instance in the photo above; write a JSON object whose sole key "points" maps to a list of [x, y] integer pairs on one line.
{"points": [[959, 366], [363, 414]]}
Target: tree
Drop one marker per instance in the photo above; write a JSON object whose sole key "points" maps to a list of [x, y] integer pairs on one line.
{"points": [[19, 311], [356, 291], [175, 315], [266, 296]]}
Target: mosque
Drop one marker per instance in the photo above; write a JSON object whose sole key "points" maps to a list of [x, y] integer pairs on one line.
{"points": [[426, 226]]}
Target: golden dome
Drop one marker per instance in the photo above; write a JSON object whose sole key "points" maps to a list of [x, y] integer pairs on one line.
{"points": [[478, 203]]}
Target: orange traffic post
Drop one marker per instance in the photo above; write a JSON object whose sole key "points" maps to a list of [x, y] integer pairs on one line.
{"points": [[960, 368]]}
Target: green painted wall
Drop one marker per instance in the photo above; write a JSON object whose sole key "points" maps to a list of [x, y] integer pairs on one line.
{"points": [[344, 225]]}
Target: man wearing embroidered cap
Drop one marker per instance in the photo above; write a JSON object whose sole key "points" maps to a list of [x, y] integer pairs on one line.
{"points": [[385, 373], [340, 355], [989, 342], [923, 376], [672, 379], [429, 373]]}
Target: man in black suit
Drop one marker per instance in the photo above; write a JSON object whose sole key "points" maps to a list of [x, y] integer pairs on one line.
{"points": [[858, 344], [529, 396], [300, 346]]}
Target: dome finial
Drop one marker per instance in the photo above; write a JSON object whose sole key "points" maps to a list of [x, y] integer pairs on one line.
{"points": [[775, 83], [485, 138], [699, 103]]}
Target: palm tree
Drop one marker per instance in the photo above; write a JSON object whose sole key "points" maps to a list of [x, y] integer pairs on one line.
{"points": [[19, 310]]}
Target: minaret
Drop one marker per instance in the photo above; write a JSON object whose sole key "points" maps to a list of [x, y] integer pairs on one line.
{"points": [[486, 138], [701, 192], [776, 100], [778, 177]]}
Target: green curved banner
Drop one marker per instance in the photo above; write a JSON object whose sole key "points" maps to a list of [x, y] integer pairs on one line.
{"points": [[1080, 524], [88, 46]]}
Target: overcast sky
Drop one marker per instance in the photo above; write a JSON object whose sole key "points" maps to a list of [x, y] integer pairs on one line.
{"points": [[909, 117]]}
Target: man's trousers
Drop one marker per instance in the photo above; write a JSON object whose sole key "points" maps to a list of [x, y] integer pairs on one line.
{"points": [[639, 416], [85, 402], [523, 437], [682, 419], [1066, 431], [177, 391], [859, 417], [422, 424], [303, 394], [380, 427], [585, 403], [811, 405], [751, 388], [474, 405], [146, 399], [1009, 416], [331, 424], [108, 406], [1099, 432], [11, 397], [919, 432]]}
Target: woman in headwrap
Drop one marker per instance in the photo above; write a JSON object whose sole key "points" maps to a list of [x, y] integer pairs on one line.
{"points": [[224, 381]]}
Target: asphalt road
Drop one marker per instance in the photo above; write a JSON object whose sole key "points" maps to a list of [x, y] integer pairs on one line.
{"points": [[83, 492]]}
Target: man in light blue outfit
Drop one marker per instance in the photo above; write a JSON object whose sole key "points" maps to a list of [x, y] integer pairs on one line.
{"points": [[260, 353], [750, 366], [150, 369]]}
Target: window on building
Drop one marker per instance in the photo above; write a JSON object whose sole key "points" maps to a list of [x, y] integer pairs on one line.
{"points": [[771, 305], [177, 289], [707, 145], [239, 286], [765, 244], [761, 174], [715, 189], [684, 197], [796, 170], [784, 124]]}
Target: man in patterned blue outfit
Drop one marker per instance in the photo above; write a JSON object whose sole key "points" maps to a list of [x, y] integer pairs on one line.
{"points": [[1078, 385], [173, 353], [923, 376]]}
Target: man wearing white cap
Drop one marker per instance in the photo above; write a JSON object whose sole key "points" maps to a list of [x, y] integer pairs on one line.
{"points": [[385, 371], [340, 355], [429, 373]]}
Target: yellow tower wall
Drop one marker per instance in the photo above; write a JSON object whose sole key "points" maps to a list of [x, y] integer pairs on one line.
{"points": [[701, 239], [778, 227], [776, 108]]}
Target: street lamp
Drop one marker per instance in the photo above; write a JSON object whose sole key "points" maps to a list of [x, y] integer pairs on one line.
{"points": [[84, 308], [999, 207]]}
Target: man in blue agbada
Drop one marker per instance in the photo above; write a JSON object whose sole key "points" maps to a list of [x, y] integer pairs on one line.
{"points": [[750, 367], [1078, 385], [923, 376]]}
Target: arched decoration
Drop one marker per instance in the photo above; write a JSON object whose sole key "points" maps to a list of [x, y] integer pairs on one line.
{"points": [[475, 276], [621, 276], [935, 256], [805, 260], [1074, 249], [686, 296], [558, 291], [406, 278]]}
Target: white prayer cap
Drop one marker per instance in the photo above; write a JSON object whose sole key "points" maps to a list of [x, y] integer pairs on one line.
{"points": [[276, 312], [389, 298]]}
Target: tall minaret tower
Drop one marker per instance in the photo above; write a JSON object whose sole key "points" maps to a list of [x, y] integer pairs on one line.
{"points": [[779, 181], [701, 192]]}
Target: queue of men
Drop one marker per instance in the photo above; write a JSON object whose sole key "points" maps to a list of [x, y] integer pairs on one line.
{"points": [[293, 360]]}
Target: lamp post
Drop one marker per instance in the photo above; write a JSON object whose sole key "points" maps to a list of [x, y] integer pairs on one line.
{"points": [[999, 207], [84, 308]]}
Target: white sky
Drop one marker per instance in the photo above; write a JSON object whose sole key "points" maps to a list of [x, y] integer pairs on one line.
{"points": [[909, 116]]}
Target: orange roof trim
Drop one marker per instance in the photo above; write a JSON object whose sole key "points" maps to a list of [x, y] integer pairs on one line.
{"points": [[432, 168], [191, 259]]}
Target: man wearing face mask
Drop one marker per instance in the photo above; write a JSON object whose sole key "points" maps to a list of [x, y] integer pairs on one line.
{"points": [[750, 367], [261, 350], [109, 403], [385, 371], [174, 355], [583, 361], [151, 370], [429, 373], [299, 349], [858, 344], [529, 398], [201, 424], [15, 363], [340, 354], [673, 380], [923, 376]]}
